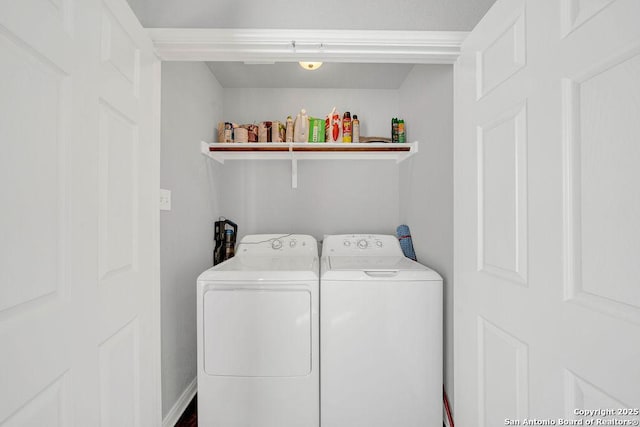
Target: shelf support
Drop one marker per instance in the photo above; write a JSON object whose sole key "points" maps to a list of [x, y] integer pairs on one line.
{"points": [[294, 168], [294, 173]]}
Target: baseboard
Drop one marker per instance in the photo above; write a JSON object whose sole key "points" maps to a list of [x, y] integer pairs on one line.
{"points": [[183, 401]]}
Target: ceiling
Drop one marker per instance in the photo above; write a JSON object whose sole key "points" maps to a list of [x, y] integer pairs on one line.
{"points": [[421, 15]]}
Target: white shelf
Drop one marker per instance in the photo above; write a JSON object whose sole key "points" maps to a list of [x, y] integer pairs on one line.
{"points": [[294, 151]]}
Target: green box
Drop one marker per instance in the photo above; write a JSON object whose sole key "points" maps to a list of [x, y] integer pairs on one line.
{"points": [[316, 130]]}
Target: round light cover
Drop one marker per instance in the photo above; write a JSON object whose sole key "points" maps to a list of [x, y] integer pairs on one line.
{"points": [[310, 65]]}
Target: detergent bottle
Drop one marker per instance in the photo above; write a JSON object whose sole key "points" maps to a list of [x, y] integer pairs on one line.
{"points": [[301, 127], [289, 130]]}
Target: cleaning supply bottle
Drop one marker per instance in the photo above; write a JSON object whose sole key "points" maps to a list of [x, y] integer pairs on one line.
{"points": [[402, 137], [356, 128], [394, 130], [229, 244], [333, 127], [301, 127], [289, 130], [346, 127]]}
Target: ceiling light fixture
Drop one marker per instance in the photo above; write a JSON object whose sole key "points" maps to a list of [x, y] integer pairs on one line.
{"points": [[311, 66]]}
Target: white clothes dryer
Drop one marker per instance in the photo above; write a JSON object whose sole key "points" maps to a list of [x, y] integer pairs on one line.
{"points": [[380, 335], [257, 325]]}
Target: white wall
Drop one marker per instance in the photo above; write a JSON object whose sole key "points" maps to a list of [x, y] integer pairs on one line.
{"points": [[191, 105], [332, 196], [426, 181]]}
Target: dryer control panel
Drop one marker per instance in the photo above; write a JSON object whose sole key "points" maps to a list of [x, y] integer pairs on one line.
{"points": [[361, 244], [280, 244]]}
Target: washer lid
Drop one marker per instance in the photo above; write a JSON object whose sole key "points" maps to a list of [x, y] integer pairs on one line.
{"points": [[375, 267], [264, 268]]}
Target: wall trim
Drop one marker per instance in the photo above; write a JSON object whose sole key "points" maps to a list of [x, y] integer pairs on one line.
{"points": [[181, 404], [270, 45]]}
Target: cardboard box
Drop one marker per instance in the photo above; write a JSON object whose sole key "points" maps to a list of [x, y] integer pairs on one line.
{"points": [[316, 130]]}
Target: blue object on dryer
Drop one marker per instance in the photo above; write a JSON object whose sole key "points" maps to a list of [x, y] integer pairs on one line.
{"points": [[404, 236]]}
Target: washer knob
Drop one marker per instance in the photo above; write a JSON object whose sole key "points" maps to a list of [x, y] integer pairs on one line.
{"points": [[276, 244], [347, 243], [363, 244], [292, 243], [379, 244]]}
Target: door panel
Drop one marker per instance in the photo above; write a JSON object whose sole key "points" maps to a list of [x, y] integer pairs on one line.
{"points": [[49, 407], [127, 219], [118, 154], [502, 196], [547, 198], [36, 75], [577, 12], [119, 378], [502, 371], [504, 55], [41, 150], [602, 236], [79, 294]]}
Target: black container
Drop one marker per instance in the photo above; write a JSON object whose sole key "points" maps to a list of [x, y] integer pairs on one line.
{"points": [[225, 239]]}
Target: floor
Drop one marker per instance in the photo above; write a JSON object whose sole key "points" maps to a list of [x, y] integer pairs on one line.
{"points": [[189, 417]]}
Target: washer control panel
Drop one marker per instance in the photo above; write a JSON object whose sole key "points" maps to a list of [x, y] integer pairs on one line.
{"points": [[277, 244], [361, 244]]}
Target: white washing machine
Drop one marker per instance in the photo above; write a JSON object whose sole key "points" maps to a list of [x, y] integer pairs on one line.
{"points": [[257, 331], [380, 335]]}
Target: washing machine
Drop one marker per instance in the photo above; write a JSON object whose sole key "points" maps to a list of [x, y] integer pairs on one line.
{"points": [[380, 335], [257, 325]]}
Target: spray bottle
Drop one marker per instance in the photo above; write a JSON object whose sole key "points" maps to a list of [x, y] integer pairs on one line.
{"points": [[401, 131], [347, 130]]}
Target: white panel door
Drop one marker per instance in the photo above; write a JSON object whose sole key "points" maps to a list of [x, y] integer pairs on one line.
{"points": [[547, 236], [79, 299]]}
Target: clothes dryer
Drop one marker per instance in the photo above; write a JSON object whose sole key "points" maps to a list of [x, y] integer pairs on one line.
{"points": [[380, 335], [257, 325]]}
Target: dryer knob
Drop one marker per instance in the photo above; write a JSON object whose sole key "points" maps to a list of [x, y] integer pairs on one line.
{"points": [[363, 244], [347, 243], [293, 243], [276, 244]]}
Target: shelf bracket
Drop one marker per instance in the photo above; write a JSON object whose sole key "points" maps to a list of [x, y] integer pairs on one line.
{"points": [[294, 172], [294, 167]]}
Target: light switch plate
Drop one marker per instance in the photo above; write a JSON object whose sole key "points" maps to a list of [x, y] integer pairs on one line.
{"points": [[165, 200]]}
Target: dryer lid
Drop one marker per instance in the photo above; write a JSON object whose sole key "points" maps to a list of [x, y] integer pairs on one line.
{"points": [[264, 268]]}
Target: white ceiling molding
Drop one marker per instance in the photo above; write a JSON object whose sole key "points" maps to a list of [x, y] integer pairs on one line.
{"points": [[260, 45]]}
